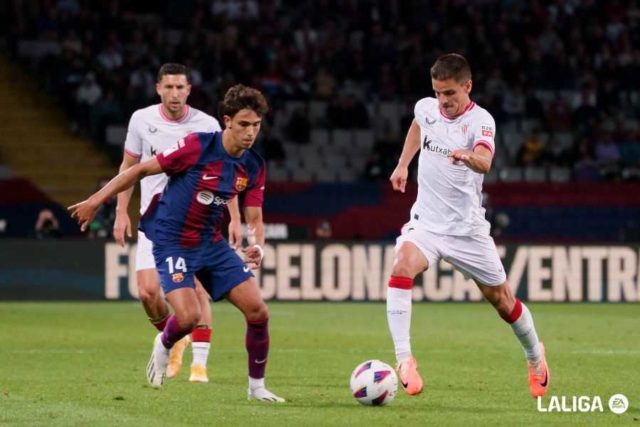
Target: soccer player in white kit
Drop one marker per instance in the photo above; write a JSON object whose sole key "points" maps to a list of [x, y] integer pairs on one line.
{"points": [[151, 131], [455, 138]]}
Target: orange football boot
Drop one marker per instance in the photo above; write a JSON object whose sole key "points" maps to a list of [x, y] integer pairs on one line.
{"points": [[409, 377], [539, 376]]}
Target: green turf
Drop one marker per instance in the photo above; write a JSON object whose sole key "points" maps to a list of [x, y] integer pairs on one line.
{"points": [[83, 364]]}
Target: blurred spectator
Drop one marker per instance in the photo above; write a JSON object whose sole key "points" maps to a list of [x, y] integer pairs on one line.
{"points": [[87, 95], [324, 230], [607, 156], [514, 104], [347, 112], [299, 127], [102, 225], [575, 73], [532, 151], [105, 112], [558, 117], [585, 168], [47, 226], [374, 169], [324, 84], [499, 220], [533, 107]]}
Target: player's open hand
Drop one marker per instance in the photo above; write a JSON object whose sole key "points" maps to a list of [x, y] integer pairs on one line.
{"points": [[235, 234], [83, 213], [253, 256], [459, 157], [399, 178], [121, 225]]}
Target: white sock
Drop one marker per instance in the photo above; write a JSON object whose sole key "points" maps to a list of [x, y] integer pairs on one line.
{"points": [[200, 352], [526, 333], [399, 319], [255, 383]]}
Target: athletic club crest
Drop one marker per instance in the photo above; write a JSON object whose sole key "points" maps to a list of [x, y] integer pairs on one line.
{"points": [[241, 183]]}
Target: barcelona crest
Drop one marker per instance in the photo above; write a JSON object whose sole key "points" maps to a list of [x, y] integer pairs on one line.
{"points": [[177, 277], [241, 183]]}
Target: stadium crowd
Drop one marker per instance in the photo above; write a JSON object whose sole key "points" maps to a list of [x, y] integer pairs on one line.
{"points": [[545, 70]]}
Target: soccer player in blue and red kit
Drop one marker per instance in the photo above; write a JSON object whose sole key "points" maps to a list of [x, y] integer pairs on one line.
{"points": [[205, 171]]}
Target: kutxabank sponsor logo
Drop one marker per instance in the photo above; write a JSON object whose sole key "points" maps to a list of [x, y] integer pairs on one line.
{"points": [[618, 404]]}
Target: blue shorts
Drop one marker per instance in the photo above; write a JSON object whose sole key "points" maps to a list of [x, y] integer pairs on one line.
{"points": [[216, 265]]}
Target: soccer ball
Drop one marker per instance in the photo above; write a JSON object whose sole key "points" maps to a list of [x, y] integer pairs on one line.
{"points": [[374, 383]]}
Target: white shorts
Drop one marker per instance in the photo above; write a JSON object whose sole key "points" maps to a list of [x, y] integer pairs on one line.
{"points": [[475, 257], [144, 253]]}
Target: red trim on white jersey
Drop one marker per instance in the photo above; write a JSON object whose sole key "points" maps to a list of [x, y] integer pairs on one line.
{"points": [[132, 154], [179, 119], [467, 109], [483, 143]]}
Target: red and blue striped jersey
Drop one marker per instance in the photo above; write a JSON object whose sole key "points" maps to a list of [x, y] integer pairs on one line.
{"points": [[203, 177]]}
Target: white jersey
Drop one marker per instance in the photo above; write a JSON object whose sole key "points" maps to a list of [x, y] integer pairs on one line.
{"points": [[450, 196], [151, 132]]}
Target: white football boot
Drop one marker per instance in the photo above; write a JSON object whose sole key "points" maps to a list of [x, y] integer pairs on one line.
{"points": [[263, 395], [157, 366]]}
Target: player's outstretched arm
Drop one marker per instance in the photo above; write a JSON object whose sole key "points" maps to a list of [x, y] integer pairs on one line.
{"points": [[411, 146], [122, 222], [478, 160], [85, 211], [255, 236], [235, 223]]}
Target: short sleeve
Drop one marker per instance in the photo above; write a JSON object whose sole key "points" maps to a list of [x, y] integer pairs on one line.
{"points": [[182, 155], [213, 125], [133, 142], [420, 113], [255, 193], [483, 132]]}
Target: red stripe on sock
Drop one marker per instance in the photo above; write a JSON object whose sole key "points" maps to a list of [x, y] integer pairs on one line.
{"points": [[515, 313], [161, 324], [201, 335], [401, 282]]}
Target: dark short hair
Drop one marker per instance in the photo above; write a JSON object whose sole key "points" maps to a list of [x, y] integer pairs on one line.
{"points": [[451, 66], [239, 97], [173, 69]]}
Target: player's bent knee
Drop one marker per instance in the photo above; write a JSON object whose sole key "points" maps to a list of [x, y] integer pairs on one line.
{"points": [[403, 271], [148, 290], [188, 320], [259, 313], [501, 297], [409, 262], [147, 295], [406, 268]]}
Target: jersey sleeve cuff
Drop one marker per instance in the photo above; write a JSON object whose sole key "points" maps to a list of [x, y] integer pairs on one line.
{"points": [[132, 154], [484, 144]]}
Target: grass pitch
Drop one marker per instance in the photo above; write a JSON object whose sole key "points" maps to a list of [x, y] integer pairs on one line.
{"points": [[83, 364]]}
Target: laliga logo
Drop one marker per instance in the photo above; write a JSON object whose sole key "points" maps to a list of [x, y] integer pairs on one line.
{"points": [[618, 404]]}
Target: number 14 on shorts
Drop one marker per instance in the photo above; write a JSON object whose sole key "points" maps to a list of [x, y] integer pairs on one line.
{"points": [[180, 264]]}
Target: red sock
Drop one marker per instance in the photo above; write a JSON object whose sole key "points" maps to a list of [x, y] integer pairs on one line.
{"points": [[515, 313], [201, 335], [160, 324], [400, 282]]}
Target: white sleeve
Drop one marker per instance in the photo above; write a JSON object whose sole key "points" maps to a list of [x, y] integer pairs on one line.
{"points": [[483, 132], [213, 125], [419, 112], [133, 142]]}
